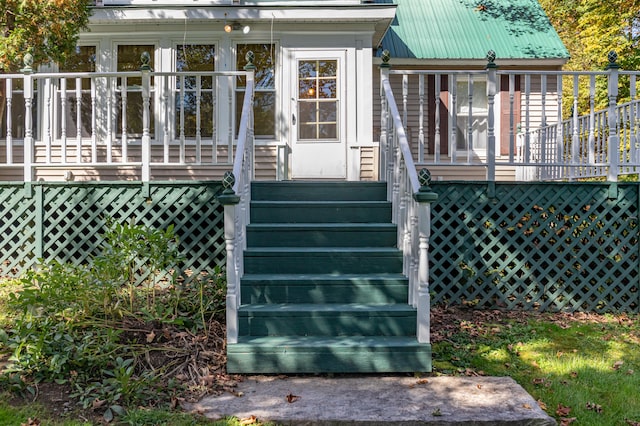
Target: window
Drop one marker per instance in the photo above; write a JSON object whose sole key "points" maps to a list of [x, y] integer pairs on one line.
{"points": [[195, 95], [129, 60], [84, 60], [474, 138], [264, 103]]}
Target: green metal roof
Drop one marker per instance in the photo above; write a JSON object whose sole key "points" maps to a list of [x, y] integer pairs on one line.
{"points": [[467, 29]]}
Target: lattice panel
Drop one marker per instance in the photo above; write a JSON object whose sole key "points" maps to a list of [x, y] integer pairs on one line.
{"points": [[17, 231], [550, 246], [71, 220]]}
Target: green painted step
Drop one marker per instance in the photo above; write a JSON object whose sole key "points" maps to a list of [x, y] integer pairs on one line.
{"points": [[327, 320], [318, 191], [298, 260], [320, 211], [323, 288], [298, 354], [321, 235]]}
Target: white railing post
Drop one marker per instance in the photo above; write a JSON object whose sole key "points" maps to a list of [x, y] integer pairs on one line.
{"points": [[612, 118], [491, 135], [384, 122], [230, 200], [28, 121], [146, 117], [424, 197]]}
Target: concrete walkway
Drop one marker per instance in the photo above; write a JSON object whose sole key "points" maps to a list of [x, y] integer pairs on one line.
{"points": [[378, 400]]}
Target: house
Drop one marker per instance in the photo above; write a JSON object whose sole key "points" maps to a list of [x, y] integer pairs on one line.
{"points": [[309, 122], [327, 271]]}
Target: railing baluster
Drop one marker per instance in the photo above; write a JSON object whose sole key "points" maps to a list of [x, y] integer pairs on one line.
{"points": [[63, 121], [198, 126], [9, 115], [453, 140], [182, 134], [512, 124], [421, 147], [166, 114], [437, 140]]}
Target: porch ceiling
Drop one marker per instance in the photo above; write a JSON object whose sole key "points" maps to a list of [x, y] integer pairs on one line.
{"points": [[380, 16]]}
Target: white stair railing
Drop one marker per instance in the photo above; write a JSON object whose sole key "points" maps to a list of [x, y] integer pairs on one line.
{"points": [[236, 199], [411, 199]]}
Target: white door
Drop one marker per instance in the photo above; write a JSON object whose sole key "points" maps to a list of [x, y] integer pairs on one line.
{"points": [[318, 110]]}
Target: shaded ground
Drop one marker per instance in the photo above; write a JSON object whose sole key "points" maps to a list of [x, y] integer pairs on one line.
{"points": [[199, 361]]}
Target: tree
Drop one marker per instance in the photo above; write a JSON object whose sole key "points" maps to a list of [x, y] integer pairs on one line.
{"points": [[590, 29], [48, 29]]}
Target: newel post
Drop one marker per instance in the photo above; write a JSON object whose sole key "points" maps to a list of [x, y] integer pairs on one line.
{"points": [[491, 119], [383, 147], [145, 58], [612, 117], [424, 197], [28, 122], [230, 200]]}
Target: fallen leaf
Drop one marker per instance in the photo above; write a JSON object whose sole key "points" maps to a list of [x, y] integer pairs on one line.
{"points": [[97, 403], [249, 420], [562, 410], [292, 398], [150, 337], [567, 421], [594, 407], [617, 365], [422, 381], [630, 372], [538, 381], [632, 422], [574, 374], [31, 422], [542, 405], [526, 406], [479, 386]]}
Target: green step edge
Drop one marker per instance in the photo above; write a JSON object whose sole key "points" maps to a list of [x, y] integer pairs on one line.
{"points": [[296, 354]]}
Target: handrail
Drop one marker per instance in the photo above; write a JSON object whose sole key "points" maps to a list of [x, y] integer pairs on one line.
{"points": [[411, 201], [401, 134], [236, 199]]}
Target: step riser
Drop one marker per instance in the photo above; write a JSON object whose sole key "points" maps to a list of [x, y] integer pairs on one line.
{"points": [[348, 263], [275, 237], [330, 213], [324, 292], [318, 191], [327, 324], [330, 360]]}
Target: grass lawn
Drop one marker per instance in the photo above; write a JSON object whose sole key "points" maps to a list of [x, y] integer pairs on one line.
{"points": [[582, 368]]}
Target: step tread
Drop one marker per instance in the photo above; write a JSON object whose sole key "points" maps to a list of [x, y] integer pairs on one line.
{"points": [[327, 341], [318, 250], [324, 277], [321, 226], [355, 203], [327, 307]]}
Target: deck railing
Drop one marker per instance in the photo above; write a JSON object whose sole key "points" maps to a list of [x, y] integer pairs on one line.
{"points": [[141, 120], [411, 200], [236, 199], [450, 117]]}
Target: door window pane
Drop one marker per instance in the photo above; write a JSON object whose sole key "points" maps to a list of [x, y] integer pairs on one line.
{"points": [[318, 99]]}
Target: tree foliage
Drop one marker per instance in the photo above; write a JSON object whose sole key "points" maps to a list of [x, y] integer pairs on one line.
{"points": [[592, 28], [48, 29]]}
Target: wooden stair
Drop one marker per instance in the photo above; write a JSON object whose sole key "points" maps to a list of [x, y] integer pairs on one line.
{"points": [[323, 289]]}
